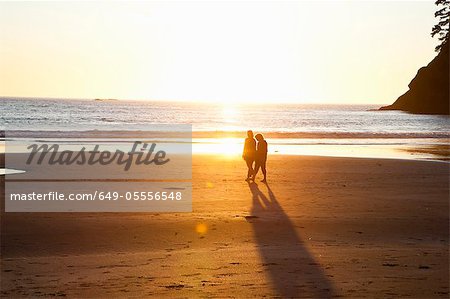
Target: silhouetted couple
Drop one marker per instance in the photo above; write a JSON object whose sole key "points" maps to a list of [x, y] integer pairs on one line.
{"points": [[255, 153]]}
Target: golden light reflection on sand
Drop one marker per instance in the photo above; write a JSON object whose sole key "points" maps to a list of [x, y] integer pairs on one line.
{"points": [[232, 148]]}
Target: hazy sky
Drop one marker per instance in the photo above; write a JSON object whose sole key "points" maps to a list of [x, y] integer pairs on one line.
{"points": [[307, 52]]}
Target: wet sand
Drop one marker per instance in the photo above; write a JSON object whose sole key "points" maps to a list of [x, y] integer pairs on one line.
{"points": [[322, 227]]}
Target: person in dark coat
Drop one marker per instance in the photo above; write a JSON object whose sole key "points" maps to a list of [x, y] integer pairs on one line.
{"points": [[248, 153], [261, 157]]}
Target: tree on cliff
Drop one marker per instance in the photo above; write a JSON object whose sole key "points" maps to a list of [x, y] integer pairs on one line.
{"points": [[441, 29]]}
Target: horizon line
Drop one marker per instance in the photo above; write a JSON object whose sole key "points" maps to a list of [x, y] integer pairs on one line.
{"points": [[185, 101]]}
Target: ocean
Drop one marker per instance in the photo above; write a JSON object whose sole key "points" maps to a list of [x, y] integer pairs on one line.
{"points": [[341, 130]]}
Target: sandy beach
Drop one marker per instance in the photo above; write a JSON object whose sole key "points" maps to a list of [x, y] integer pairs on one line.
{"points": [[322, 227]]}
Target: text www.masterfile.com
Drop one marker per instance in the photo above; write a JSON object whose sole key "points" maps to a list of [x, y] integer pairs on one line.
{"points": [[99, 195]]}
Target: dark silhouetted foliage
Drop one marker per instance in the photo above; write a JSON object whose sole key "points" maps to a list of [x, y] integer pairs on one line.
{"points": [[441, 28]]}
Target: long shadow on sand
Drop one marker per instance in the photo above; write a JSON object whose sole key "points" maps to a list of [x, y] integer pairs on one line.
{"points": [[292, 269]]}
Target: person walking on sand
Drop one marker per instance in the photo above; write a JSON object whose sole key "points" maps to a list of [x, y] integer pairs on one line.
{"points": [[261, 157], [249, 153]]}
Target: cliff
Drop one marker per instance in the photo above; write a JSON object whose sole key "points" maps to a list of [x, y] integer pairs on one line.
{"points": [[429, 90]]}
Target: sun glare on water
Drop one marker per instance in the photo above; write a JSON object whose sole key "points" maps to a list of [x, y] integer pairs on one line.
{"points": [[230, 113], [231, 118], [229, 146], [224, 146]]}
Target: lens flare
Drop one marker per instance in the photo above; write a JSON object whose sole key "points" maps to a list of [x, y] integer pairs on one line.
{"points": [[201, 228]]}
